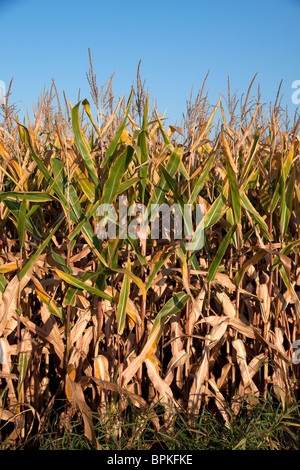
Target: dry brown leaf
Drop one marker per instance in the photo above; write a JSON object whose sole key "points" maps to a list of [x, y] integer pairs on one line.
{"points": [[253, 367], [201, 375], [75, 396], [79, 327], [84, 341], [280, 376], [196, 310], [165, 394], [43, 334], [220, 402], [217, 332], [228, 307], [249, 386], [6, 365], [136, 399], [224, 375], [101, 368], [9, 302], [51, 328], [176, 361], [263, 293]]}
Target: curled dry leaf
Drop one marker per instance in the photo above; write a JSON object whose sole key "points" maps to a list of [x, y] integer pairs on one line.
{"points": [[9, 302], [263, 293], [101, 368], [80, 326], [221, 403], [52, 331], [76, 397], [43, 334], [176, 361], [249, 386], [196, 310], [217, 332], [226, 303], [280, 376], [200, 377], [165, 394], [136, 399]]}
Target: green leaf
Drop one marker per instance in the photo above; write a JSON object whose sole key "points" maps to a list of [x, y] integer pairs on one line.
{"points": [[256, 216], [253, 260], [43, 169], [61, 261], [167, 141], [3, 283], [158, 196], [123, 299], [127, 184], [157, 267], [115, 175], [217, 209], [285, 251], [71, 204], [83, 145], [38, 252], [21, 222], [87, 108], [90, 212], [200, 182], [183, 171], [220, 253], [174, 305], [115, 140], [30, 196], [142, 143], [82, 285], [109, 271], [70, 296], [68, 191], [234, 193], [134, 245], [286, 204], [212, 216], [249, 160], [14, 208], [186, 215]]}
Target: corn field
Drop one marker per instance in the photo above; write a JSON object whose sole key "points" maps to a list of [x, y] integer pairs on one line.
{"points": [[108, 324]]}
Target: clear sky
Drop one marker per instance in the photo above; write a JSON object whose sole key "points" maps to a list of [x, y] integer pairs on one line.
{"points": [[178, 42]]}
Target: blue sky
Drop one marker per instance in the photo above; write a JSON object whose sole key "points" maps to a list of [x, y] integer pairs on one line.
{"points": [[178, 42]]}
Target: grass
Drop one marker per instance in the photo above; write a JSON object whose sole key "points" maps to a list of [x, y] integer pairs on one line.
{"points": [[268, 425]]}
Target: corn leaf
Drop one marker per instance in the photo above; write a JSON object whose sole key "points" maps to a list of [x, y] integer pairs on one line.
{"points": [[82, 145], [115, 140], [123, 300], [73, 281], [220, 253]]}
